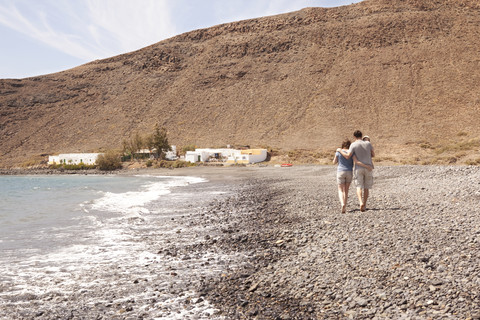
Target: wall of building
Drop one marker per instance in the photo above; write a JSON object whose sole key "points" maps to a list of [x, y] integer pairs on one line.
{"points": [[255, 155], [74, 158], [231, 155]]}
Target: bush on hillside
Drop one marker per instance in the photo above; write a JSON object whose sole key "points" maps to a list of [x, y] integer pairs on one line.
{"points": [[110, 160], [173, 164], [80, 166], [189, 147]]}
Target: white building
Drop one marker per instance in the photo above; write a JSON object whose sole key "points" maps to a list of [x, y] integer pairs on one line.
{"points": [[74, 158], [205, 155], [193, 156], [227, 155], [171, 155]]}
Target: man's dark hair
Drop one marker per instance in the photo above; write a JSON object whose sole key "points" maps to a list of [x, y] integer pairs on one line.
{"points": [[358, 134]]}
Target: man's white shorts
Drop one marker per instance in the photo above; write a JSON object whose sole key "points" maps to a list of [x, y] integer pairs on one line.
{"points": [[363, 178]]}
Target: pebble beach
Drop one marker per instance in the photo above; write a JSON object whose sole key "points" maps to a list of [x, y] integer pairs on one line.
{"points": [[413, 254], [272, 243]]}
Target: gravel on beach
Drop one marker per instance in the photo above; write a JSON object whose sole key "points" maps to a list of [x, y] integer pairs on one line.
{"points": [[276, 246], [413, 254]]}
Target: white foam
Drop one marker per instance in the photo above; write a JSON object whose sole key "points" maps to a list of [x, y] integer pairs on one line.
{"points": [[82, 206], [133, 202], [111, 242]]}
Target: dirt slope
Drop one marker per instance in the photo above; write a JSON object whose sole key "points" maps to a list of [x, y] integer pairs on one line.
{"points": [[403, 71]]}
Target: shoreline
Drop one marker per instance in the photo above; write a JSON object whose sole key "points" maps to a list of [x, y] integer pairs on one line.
{"points": [[142, 272], [200, 168], [132, 171]]}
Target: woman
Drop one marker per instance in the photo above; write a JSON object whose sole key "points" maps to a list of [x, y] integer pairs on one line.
{"points": [[344, 174]]}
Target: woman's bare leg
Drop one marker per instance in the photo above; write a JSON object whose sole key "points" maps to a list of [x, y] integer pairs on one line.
{"points": [[345, 200], [341, 196], [340, 193]]}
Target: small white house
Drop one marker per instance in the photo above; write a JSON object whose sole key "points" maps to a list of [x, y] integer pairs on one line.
{"points": [[74, 158], [248, 156], [227, 155], [205, 155], [196, 156], [171, 155]]}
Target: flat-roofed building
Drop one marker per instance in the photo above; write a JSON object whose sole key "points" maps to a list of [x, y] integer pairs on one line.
{"points": [[74, 158], [227, 155]]}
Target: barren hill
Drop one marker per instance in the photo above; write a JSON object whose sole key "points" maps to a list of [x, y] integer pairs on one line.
{"points": [[406, 72]]}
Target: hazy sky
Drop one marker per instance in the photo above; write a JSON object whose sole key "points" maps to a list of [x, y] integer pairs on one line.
{"points": [[45, 36]]}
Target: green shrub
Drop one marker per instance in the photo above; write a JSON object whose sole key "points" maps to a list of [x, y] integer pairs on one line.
{"points": [[126, 158], [31, 163], [173, 164], [293, 154], [108, 161], [426, 145], [385, 158], [80, 166], [467, 145], [474, 162], [238, 165]]}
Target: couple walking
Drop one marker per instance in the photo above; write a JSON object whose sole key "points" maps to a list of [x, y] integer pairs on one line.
{"points": [[358, 153]]}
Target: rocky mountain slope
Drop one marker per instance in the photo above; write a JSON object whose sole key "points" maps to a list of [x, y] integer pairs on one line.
{"points": [[403, 71]]}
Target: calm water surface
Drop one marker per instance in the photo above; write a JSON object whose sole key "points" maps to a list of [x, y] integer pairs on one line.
{"points": [[39, 214]]}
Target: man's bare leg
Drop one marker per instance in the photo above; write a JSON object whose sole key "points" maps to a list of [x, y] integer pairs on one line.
{"points": [[365, 197], [360, 199]]}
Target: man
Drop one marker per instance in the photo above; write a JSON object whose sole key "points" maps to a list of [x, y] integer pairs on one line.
{"points": [[362, 153]]}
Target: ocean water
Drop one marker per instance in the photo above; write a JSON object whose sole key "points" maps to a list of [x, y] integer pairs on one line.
{"points": [[85, 235], [40, 214]]}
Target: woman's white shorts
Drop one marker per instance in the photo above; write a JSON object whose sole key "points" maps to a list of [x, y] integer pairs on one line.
{"points": [[344, 177]]}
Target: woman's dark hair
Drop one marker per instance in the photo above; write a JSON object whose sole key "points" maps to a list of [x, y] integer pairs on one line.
{"points": [[346, 144]]}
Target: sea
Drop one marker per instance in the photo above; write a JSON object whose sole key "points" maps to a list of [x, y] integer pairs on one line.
{"points": [[58, 231]]}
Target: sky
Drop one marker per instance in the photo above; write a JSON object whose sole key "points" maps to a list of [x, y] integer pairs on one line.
{"points": [[45, 36]]}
